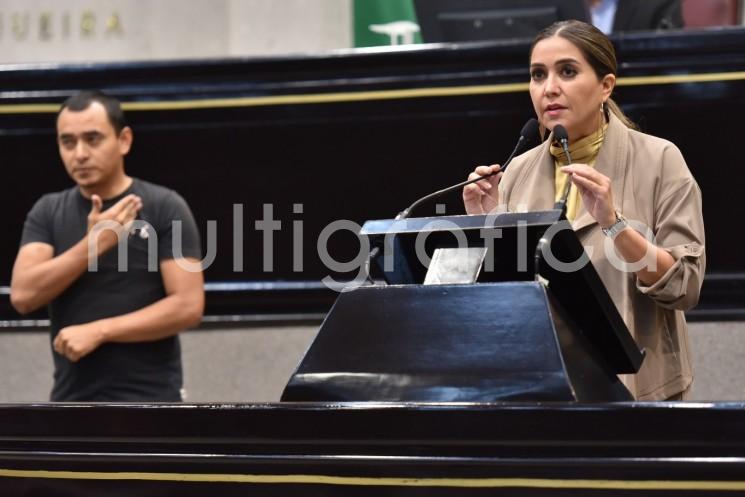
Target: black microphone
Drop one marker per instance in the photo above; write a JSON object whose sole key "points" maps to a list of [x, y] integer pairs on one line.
{"points": [[560, 134], [527, 135]]}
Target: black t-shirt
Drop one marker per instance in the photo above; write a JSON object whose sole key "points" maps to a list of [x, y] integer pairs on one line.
{"points": [[145, 371]]}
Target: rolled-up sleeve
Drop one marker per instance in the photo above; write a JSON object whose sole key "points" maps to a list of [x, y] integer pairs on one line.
{"points": [[679, 229], [680, 286]]}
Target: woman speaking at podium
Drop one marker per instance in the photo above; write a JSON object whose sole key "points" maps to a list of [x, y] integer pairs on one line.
{"points": [[624, 185]]}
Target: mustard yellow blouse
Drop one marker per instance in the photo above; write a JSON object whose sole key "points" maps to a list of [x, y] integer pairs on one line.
{"points": [[584, 151]]}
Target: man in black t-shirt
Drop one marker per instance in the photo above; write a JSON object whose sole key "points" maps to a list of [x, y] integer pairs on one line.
{"points": [[117, 261]]}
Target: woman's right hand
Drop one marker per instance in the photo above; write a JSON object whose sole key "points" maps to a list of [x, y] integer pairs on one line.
{"points": [[482, 197]]}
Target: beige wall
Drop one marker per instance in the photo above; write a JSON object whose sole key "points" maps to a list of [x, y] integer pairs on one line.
{"points": [[123, 30], [259, 27]]}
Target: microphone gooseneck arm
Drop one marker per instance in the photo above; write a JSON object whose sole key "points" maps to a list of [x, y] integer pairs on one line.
{"points": [[406, 212], [563, 138], [529, 130], [561, 135], [527, 133]]}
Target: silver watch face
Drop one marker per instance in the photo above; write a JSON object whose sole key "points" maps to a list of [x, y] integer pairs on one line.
{"points": [[616, 227]]}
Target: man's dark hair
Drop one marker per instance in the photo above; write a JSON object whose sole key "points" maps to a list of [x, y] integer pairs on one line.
{"points": [[83, 99]]}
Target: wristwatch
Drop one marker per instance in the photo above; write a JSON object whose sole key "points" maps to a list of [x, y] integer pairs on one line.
{"points": [[615, 228]]}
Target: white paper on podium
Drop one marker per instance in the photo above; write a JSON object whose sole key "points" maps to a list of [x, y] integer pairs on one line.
{"points": [[455, 265]]}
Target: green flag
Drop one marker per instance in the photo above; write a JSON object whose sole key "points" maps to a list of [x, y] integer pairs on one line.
{"points": [[385, 22]]}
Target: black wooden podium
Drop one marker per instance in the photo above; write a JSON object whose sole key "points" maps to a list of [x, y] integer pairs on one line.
{"points": [[533, 327]]}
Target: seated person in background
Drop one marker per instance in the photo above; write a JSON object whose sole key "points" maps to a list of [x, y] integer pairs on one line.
{"points": [[613, 16], [617, 173], [114, 333]]}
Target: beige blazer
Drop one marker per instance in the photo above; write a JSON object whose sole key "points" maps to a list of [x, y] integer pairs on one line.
{"points": [[653, 188]]}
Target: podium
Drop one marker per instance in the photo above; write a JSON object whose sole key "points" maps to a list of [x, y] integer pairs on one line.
{"points": [[537, 324]]}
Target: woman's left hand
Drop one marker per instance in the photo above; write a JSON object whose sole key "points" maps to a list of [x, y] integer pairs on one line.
{"points": [[595, 189]]}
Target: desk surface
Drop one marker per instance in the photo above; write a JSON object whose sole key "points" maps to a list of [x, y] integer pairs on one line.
{"points": [[372, 449]]}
